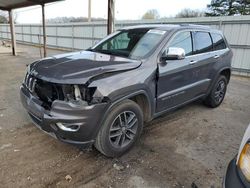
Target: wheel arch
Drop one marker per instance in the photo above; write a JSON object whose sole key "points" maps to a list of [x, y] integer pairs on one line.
{"points": [[227, 73], [142, 99]]}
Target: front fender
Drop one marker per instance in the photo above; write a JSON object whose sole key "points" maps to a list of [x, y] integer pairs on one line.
{"points": [[124, 85]]}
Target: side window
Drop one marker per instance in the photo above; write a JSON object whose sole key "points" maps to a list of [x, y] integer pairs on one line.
{"points": [[117, 43], [202, 42], [183, 40], [218, 41]]}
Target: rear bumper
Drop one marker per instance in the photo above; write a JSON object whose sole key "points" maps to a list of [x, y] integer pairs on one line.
{"points": [[88, 118], [232, 179]]}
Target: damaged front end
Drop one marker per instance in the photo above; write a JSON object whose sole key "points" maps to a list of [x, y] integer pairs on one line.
{"points": [[59, 98], [70, 112], [49, 92]]}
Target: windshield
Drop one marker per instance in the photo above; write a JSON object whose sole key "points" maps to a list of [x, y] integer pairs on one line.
{"points": [[134, 44]]}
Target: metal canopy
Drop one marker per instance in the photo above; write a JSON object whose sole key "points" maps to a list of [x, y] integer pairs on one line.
{"points": [[9, 5], [13, 4]]}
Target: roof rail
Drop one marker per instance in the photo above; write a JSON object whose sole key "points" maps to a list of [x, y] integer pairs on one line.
{"points": [[195, 25]]}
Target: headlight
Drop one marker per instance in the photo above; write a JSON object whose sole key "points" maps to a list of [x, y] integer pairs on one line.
{"points": [[244, 161]]}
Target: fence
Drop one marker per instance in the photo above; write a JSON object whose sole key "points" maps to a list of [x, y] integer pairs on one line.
{"points": [[83, 35]]}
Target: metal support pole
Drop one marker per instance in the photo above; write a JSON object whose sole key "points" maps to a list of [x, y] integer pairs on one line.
{"points": [[220, 24], [12, 30], [44, 32], [73, 38], [89, 12], [111, 16]]}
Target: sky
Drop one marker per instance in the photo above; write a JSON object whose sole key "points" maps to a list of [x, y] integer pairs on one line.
{"points": [[124, 9]]}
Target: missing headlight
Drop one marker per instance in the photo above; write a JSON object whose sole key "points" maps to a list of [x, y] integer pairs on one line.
{"points": [[75, 93]]}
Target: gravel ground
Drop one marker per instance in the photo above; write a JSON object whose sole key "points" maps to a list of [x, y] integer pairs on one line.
{"points": [[191, 146]]}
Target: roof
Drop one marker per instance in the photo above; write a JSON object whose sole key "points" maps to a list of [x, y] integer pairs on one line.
{"points": [[167, 27], [13, 4], [152, 26]]}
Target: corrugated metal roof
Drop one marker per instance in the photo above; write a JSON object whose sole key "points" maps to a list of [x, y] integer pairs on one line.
{"points": [[13, 4]]}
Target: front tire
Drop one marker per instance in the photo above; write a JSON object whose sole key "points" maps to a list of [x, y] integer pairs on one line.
{"points": [[218, 92], [120, 130]]}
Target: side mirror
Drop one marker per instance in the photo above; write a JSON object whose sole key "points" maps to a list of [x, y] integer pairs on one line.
{"points": [[173, 53]]}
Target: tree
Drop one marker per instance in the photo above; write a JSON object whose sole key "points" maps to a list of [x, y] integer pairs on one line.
{"points": [[151, 14], [228, 7], [189, 13], [3, 17]]}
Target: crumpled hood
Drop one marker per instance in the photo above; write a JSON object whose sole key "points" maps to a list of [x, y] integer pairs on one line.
{"points": [[79, 67]]}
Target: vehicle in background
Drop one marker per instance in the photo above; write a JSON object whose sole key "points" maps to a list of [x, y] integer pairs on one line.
{"points": [[238, 171]]}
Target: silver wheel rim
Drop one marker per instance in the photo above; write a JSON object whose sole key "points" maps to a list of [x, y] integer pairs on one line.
{"points": [[220, 91], [123, 129]]}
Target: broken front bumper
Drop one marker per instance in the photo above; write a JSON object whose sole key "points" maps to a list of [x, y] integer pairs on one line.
{"points": [[85, 120]]}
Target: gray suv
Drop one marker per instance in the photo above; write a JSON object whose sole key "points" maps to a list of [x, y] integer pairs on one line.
{"points": [[103, 95]]}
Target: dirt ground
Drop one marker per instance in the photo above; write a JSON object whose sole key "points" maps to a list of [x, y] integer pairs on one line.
{"points": [[188, 147]]}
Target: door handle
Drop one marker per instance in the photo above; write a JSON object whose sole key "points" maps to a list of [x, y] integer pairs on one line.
{"points": [[192, 62], [216, 56]]}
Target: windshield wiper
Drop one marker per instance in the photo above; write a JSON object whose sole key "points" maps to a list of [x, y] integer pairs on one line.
{"points": [[90, 49], [108, 52]]}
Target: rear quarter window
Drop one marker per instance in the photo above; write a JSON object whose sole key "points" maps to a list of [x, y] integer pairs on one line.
{"points": [[218, 42], [202, 42]]}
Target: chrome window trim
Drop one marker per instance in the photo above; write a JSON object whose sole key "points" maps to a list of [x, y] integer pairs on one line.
{"points": [[194, 55]]}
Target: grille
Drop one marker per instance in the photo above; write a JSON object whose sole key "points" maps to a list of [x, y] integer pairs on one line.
{"points": [[30, 82]]}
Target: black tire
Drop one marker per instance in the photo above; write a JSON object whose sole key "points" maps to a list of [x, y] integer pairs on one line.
{"points": [[218, 92], [125, 119]]}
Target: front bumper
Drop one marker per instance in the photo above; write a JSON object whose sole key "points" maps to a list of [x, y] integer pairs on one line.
{"points": [[232, 179], [88, 117]]}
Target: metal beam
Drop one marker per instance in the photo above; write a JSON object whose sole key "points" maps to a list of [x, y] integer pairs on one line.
{"points": [[111, 16], [12, 30], [44, 33], [241, 70], [89, 11], [240, 46], [3, 8], [24, 3]]}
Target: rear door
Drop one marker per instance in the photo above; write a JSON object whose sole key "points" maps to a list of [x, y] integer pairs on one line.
{"points": [[181, 81], [220, 49], [205, 58]]}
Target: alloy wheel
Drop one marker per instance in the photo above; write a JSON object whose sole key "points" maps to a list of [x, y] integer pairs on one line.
{"points": [[123, 129], [220, 91]]}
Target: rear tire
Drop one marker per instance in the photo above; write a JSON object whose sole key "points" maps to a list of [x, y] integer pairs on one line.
{"points": [[120, 130], [218, 92]]}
